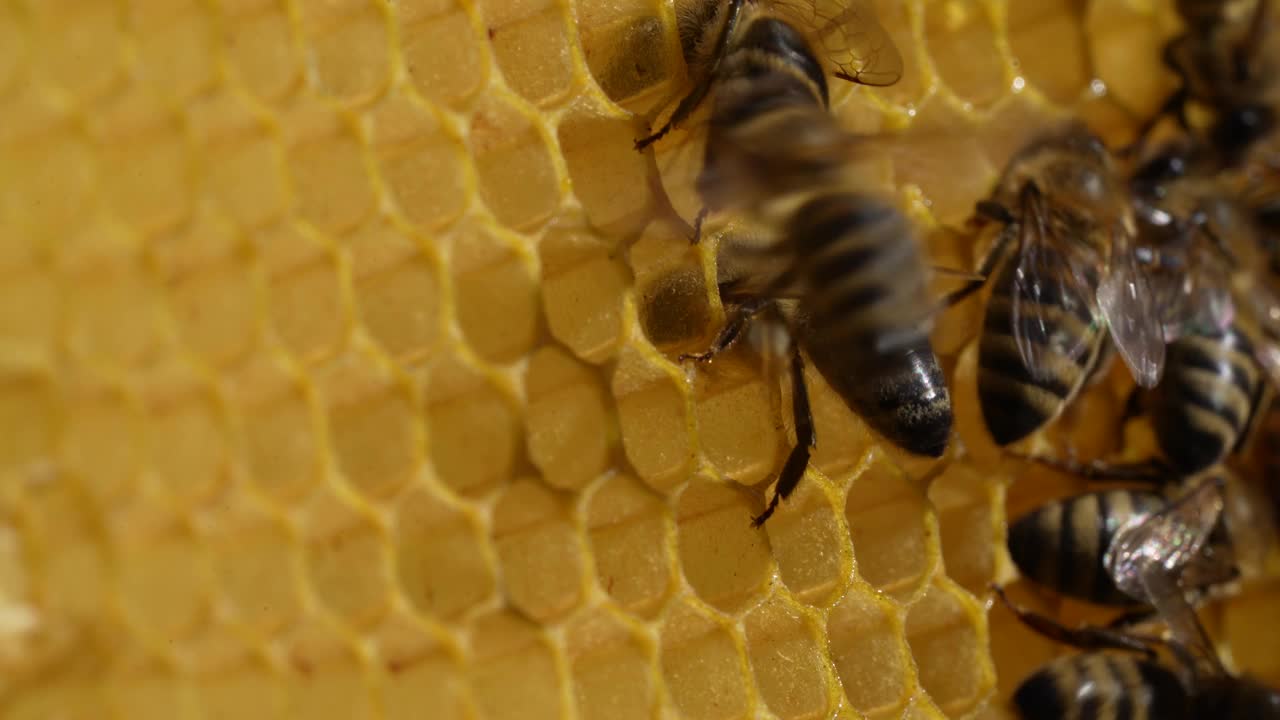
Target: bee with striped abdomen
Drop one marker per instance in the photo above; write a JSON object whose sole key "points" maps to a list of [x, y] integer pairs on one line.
{"points": [[1063, 275], [846, 277], [1078, 546], [1226, 63], [1098, 685], [770, 134], [1201, 251], [846, 266]]}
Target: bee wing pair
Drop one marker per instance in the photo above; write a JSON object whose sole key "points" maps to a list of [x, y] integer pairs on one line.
{"points": [[1147, 559], [848, 32], [1058, 279]]}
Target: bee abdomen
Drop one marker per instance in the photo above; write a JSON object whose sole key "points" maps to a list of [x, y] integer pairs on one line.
{"points": [[1097, 686], [1015, 401], [902, 394], [861, 265], [1206, 399], [1061, 544], [863, 317]]}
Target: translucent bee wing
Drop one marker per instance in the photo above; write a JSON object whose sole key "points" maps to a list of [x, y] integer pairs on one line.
{"points": [[1147, 556], [851, 36], [1127, 302], [1050, 291]]}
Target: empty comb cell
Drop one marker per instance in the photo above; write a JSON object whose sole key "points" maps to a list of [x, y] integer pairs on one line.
{"points": [[655, 420], [1048, 44], [530, 42], [280, 440], [442, 557], [373, 430], [175, 43], [607, 174], [418, 673], [473, 428], [441, 50], [944, 641], [327, 171], [892, 530], [410, 143], [627, 526], [612, 669], [584, 287], [304, 300], [870, 655], [724, 558], [513, 673], [569, 427], [349, 48], [344, 561], [397, 291], [541, 559], [808, 544], [518, 180], [961, 42], [263, 59], [701, 665], [257, 571], [782, 645], [496, 295]]}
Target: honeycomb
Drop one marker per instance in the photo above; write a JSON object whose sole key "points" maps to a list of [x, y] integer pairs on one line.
{"points": [[338, 378]]}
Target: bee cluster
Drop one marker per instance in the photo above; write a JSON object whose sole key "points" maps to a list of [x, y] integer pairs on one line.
{"points": [[1164, 253]]}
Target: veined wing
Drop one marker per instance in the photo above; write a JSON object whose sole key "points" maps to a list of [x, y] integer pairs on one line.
{"points": [[851, 36], [1147, 556], [1053, 300], [1128, 303]]}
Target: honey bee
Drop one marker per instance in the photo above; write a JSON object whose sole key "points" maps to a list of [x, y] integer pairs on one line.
{"points": [[1063, 277], [845, 279], [1110, 686], [770, 134], [1099, 685], [1201, 253], [1226, 67], [1078, 546]]}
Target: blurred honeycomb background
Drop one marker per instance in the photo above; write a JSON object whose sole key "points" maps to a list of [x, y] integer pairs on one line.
{"points": [[337, 373]]}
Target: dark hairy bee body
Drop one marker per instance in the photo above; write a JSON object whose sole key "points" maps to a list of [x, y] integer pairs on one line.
{"points": [[1224, 66], [1015, 399], [1111, 686], [848, 263], [1060, 545], [1211, 393], [1062, 231]]}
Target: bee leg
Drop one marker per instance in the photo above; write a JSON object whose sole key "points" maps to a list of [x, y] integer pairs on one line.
{"points": [[1130, 618], [1085, 637], [739, 317], [1146, 472], [1133, 405], [806, 440], [989, 260], [697, 225]]}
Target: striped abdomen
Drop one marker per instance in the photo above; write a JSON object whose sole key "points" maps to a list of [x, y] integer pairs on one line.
{"points": [[1100, 686], [863, 317], [1204, 404], [1015, 401], [770, 133], [1060, 545]]}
